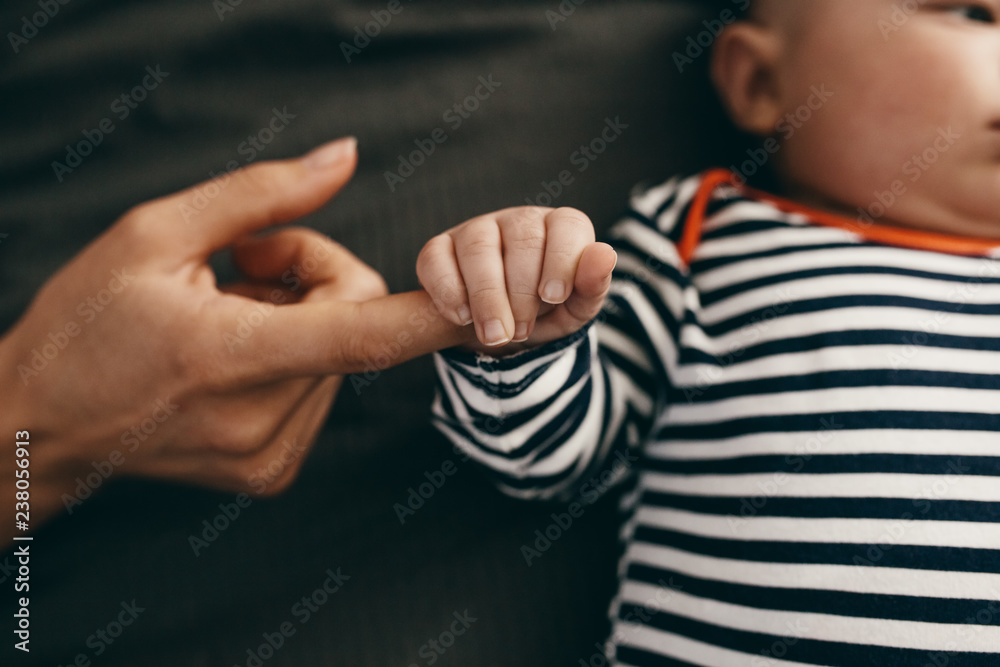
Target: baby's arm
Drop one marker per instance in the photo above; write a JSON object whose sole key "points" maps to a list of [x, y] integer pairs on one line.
{"points": [[547, 418]]}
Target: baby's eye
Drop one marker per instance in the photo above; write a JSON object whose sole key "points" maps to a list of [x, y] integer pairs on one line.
{"points": [[973, 12]]}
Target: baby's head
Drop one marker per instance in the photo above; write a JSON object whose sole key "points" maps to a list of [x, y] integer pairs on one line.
{"points": [[874, 100]]}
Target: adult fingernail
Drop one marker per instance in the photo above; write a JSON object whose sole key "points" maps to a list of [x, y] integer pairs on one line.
{"points": [[521, 332], [331, 153], [464, 315], [554, 291], [494, 333]]}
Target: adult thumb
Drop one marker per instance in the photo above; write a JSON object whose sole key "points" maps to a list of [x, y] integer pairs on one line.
{"points": [[198, 221]]}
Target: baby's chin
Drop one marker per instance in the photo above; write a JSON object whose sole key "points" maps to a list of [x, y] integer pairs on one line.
{"points": [[958, 211], [966, 205]]}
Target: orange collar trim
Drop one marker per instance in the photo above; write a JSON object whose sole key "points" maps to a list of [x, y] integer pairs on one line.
{"points": [[895, 236]]}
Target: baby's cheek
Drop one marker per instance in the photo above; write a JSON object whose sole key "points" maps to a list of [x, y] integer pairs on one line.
{"points": [[841, 152], [861, 139]]}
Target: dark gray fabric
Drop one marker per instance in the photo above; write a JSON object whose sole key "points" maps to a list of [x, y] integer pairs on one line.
{"points": [[461, 551]]}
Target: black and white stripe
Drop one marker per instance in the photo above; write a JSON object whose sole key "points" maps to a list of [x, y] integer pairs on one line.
{"points": [[817, 418]]}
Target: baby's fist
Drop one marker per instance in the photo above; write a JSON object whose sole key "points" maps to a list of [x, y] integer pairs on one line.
{"points": [[526, 276]]}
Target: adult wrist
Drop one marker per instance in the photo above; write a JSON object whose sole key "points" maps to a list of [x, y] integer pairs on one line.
{"points": [[50, 473]]}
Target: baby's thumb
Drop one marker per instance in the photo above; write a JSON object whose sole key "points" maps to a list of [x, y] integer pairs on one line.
{"points": [[593, 280]]}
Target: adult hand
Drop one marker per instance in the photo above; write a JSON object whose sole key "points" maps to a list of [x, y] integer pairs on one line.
{"points": [[131, 356]]}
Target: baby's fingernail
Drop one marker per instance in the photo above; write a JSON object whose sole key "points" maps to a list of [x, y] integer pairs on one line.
{"points": [[464, 315], [554, 291], [331, 153], [494, 334], [521, 332]]}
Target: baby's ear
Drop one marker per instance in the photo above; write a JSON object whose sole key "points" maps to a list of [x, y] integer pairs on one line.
{"points": [[744, 70]]}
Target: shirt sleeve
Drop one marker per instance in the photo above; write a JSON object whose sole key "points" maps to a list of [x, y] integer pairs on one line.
{"points": [[545, 421]]}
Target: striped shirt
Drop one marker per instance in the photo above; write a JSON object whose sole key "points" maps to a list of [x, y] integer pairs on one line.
{"points": [[812, 404]]}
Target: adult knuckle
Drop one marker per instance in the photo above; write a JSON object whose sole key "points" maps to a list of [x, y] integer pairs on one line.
{"points": [[276, 471], [252, 474], [370, 284], [273, 488], [310, 245], [312, 241], [282, 482], [240, 437], [140, 222], [287, 479]]}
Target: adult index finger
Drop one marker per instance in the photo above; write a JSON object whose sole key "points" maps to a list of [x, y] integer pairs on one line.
{"points": [[338, 337]]}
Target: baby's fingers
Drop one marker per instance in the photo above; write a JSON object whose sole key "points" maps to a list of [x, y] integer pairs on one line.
{"points": [[523, 231], [568, 233], [590, 288], [439, 274], [478, 247]]}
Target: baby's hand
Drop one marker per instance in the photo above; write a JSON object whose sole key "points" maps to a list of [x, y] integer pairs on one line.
{"points": [[525, 275]]}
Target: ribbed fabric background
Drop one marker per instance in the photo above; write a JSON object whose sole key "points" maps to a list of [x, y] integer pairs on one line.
{"points": [[459, 552]]}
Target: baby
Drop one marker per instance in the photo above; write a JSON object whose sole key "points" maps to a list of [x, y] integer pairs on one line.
{"points": [[805, 384]]}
